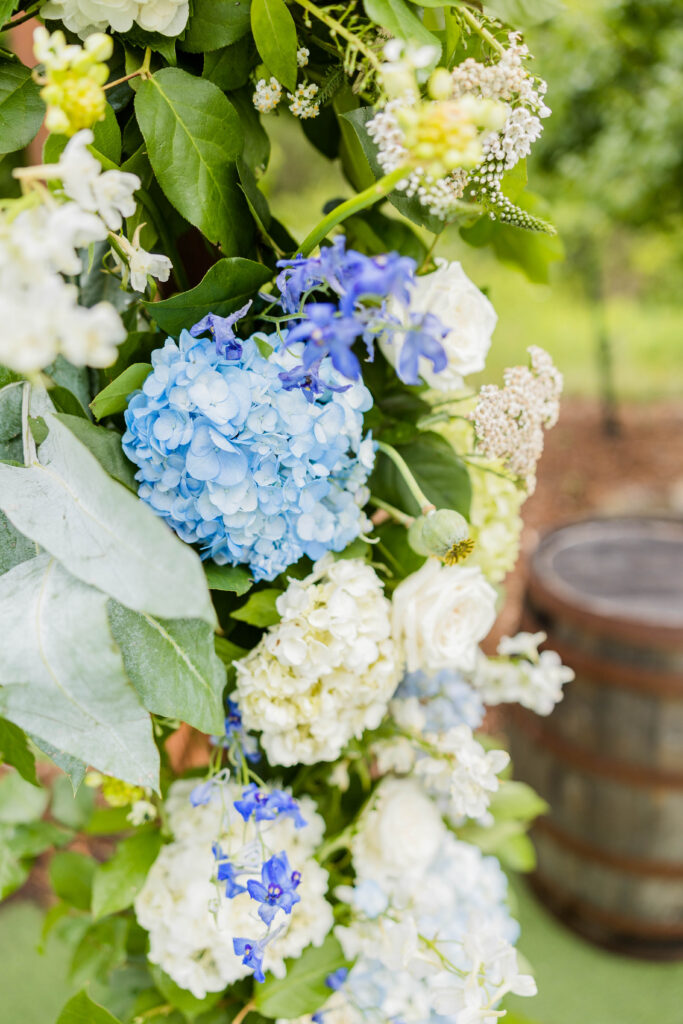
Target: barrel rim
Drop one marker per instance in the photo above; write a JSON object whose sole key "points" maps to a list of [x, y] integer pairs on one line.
{"points": [[562, 599]]}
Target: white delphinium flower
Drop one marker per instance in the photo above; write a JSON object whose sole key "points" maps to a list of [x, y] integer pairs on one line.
{"points": [[141, 263], [192, 925], [302, 103], [522, 675], [470, 318], [326, 671], [302, 55], [509, 421], [168, 17], [107, 193], [460, 774], [267, 95], [440, 613]]}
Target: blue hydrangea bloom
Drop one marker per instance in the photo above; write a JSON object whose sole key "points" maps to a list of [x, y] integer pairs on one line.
{"points": [[234, 461], [447, 699]]}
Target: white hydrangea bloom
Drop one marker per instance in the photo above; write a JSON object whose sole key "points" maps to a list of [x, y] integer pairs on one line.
{"points": [[191, 924], [470, 318], [326, 671], [440, 613], [168, 17]]}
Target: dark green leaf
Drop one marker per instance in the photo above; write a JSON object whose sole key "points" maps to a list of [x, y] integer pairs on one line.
{"points": [[256, 150], [303, 989], [108, 135], [437, 469], [74, 378], [173, 666], [225, 287], [82, 1010], [71, 876], [193, 137], [65, 401], [114, 398], [215, 23], [260, 609], [137, 348], [7, 9], [234, 578], [106, 447], [21, 108], [73, 767], [275, 37], [11, 448], [229, 67], [14, 750], [227, 651], [189, 1005], [117, 882], [396, 18], [14, 547], [20, 801]]}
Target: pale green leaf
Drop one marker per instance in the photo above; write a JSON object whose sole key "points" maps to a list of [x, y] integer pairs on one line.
{"points": [[234, 578], [521, 14], [71, 876], [63, 678], [516, 801], [114, 398], [82, 1010], [13, 873], [117, 882], [225, 287], [260, 609], [105, 446], [20, 801], [303, 989], [173, 666], [193, 138], [21, 108], [215, 23], [189, 1005], [396, 18], [101, 532], [275, 37]]}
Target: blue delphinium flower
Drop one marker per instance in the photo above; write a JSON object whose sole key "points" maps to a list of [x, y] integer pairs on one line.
{"points": [[252, 952], [446, 698], [237, 740], [337, 978], [229, 874], [266, 806], [202, 793], [234, 461], [220, 328], [277, 888]]}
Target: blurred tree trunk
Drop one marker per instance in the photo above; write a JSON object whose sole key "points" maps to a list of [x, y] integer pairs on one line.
{"points": [[590, 264]]}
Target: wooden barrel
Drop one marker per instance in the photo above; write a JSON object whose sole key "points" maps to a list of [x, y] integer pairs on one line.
{"points": [[609, 760]]}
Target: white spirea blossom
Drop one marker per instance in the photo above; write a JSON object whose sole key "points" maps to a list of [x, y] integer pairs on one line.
{"points": [[326, 671], [509, 421], [469, 316], [303, 103], [191, 924], [302, 55], [440, 614], [267, 95], [168, 17], [522, 675]]}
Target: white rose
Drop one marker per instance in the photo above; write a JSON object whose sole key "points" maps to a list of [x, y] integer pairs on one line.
{"points": [[439, 615], [470, 318]]}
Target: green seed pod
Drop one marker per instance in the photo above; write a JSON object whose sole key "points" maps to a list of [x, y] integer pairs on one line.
{"points": [[444, 533]]}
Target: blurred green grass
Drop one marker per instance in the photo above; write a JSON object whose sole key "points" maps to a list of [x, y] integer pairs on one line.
{"points": [[647, 335]]}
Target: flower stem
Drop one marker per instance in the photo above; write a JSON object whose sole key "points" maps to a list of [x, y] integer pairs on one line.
{"points": [[142, 71], [477, 27], [337, 28], [244, 1012], [404, 469], [395, 513], [367, 197], [26, 16]]}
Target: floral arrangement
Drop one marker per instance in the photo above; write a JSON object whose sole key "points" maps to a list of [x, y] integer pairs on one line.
{"points": [[249, 502]]}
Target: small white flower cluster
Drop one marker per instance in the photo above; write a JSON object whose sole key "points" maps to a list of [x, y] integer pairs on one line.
{"points": [[267, 95], [191, 924], [522, 675], [509, 421], [470, 318], [141, 264], [326, 671], [460, 774], [440, 614], [41, 243], [302, 103], [168, 17], [430, 932], [302, 55]]}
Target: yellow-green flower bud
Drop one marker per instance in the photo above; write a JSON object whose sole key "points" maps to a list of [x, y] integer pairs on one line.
{"points": [[444, 533], [120, 794], [440, 85]]}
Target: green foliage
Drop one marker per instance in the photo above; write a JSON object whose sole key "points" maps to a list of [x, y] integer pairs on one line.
{"points": [[114, 398], [117, 882], [523, 13], [214, 24], [82, 1010], [275, 36], [438, 470], [193, 138], [21, 108], [233, 578], [260, 609], [229, 66], [71, 877], [189, 1005], [173, 666], [14, 547], [105, 445], [397, 18], [226, 286], [303, 989], [20, 800], [14, 750], [11, 447]]}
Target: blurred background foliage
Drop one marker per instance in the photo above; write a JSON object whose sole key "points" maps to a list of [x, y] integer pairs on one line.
{"points": [[609, 167]]}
